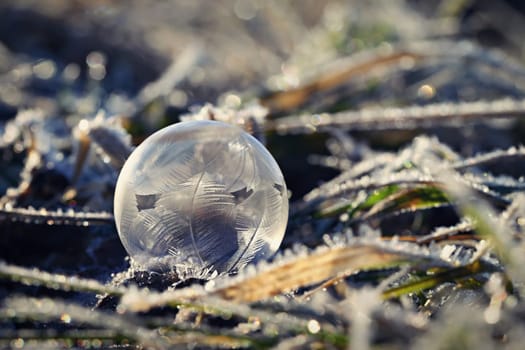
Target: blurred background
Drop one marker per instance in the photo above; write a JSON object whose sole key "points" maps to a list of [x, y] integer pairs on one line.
{"points": [[119, 46], [109, 50]]}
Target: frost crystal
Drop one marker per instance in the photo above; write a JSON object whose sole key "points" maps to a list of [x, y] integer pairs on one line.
{"points": [[200, 196]]}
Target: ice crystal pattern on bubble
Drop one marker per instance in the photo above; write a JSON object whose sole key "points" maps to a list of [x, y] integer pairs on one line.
{"points": [[200, 196]]}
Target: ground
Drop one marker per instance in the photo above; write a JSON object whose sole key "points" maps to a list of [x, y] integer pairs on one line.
{"points": [[397, 126]]}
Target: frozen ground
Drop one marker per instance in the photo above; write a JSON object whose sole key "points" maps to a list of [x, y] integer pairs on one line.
{"points": [[398, 126]]}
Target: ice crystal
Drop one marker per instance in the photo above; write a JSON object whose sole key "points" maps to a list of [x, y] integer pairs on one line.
{"points": [[200, 196]]}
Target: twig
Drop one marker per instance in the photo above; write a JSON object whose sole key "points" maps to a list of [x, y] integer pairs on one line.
{"points": [[411, 117]]}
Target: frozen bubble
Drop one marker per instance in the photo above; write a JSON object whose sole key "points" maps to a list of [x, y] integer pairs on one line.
{"points": [[200, 196]]}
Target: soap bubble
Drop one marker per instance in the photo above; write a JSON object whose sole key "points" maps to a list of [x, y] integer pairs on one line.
{"points": [[200, 196]]}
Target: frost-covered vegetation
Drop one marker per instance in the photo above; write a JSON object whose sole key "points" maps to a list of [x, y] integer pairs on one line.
{"points": [[398, 126]]}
